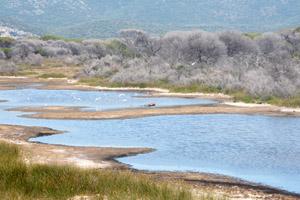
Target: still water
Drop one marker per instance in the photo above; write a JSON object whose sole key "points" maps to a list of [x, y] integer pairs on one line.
{"points": [[256, 148]]}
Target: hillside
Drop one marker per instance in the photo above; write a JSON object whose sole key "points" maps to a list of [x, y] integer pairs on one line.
{"points": [[101, 18]]}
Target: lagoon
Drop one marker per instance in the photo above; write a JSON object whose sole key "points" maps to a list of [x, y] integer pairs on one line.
{"points": [[257, 148]]}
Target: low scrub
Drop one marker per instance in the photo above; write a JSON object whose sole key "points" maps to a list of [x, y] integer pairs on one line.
{"points": [[20, 181], [6, 42]]}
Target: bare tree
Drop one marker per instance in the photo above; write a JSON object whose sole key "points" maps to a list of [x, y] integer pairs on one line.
{"points": [[203, 47], [237, 43], [141, 42]]}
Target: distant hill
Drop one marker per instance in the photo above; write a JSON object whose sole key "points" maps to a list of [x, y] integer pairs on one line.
{"points": [[103, 18]]}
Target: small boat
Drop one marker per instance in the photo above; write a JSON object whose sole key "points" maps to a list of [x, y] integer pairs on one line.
{"points": [[151, 105]]}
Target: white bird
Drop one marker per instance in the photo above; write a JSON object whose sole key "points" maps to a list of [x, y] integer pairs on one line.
{"points": [[76, 98], [98, 99]]}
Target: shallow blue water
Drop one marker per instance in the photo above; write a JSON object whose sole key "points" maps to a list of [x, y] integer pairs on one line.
{"points": [[99, 100], [257, 148]]}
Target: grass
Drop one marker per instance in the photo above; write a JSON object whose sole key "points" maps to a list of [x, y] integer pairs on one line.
{"points": [[242, 96], [26, 73], [287, 102], [195, 88], [97, 81], [237, 95], [55, 37], [52, 75], [21, 181]]}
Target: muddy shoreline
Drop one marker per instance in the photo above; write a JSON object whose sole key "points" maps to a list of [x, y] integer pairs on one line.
{"points": [[76, 113], [85, 157], [104, 158]]}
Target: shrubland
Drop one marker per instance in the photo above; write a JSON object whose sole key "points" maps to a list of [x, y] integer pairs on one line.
{"points": [[253, 67]]}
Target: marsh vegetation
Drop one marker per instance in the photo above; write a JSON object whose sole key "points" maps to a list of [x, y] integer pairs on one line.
{"points": [[21, 181]]}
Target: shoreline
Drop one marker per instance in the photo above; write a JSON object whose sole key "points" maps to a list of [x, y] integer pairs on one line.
{"points": [[84, 157], [105, 158], [16, 82], [76, 113]]}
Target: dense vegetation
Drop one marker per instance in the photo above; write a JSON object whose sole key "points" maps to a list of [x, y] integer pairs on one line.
{"points": [[252, 67], [103, 19], [21, 181]]}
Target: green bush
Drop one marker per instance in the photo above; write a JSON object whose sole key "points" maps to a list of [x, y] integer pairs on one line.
{"points": [[296, 55], [252, 35], [7, 51], [41, 51], [6, 42], [117, 47]]}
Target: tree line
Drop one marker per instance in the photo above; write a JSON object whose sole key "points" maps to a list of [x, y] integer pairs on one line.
{"points": [[260, 64]]}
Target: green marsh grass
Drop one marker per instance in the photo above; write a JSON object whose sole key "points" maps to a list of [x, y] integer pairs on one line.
{"points": [[52, 75], [21, 181]]}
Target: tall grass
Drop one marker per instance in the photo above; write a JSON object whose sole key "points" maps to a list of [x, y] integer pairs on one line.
{"points": [[21, 181]]}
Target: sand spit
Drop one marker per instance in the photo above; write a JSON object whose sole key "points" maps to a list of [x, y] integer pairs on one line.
{"points": [[103, 158], [73, 113], [86, 157]]}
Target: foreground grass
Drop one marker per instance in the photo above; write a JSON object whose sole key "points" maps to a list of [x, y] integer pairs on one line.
{"points": [[236, 95], [21, 181]]}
